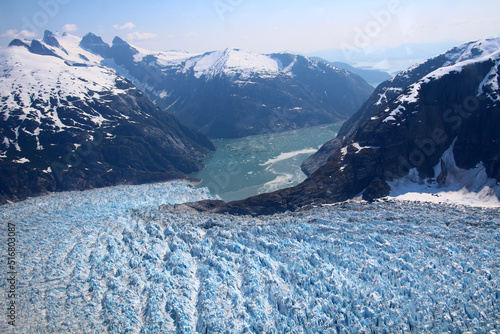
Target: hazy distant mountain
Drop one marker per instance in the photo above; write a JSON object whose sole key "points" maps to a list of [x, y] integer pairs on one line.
{"points": [[434, 126], [235, 93], [69, 123], [373, 77], [391, 59]]}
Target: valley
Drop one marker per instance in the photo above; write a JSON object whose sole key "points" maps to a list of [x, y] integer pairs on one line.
{"points": [[249, 166], [228, 191]]}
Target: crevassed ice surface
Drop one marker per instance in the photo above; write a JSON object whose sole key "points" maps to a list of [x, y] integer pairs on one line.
{"points": [[116, 260]]}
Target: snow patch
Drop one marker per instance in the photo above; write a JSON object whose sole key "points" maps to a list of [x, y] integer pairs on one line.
{"points": [[359, 147], [21, 161], [470, 187]]}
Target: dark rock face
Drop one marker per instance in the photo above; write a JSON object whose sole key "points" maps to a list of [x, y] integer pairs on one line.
{"points": [[236, 104], [40, 49], [96, 45], [49, 39], [18, 42], [376, 189], [92, 139], [122, 52], [456, 108]]}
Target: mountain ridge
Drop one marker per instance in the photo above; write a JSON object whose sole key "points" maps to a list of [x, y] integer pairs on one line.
{"points": [[70, 123], [385, 92], [234, 93], [439, 132], [372, 76]]}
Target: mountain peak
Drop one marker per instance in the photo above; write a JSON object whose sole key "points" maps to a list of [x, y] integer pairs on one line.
{"points": [[49, 39], [18, 42], [96, 45], [122, 52], [118, 41], [230, 61]]}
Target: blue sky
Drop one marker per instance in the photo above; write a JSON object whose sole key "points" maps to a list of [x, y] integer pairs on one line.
{"points": [[255, 25]]}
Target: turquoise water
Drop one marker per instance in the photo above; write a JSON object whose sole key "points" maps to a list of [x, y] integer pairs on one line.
{"points": [[248, 166]]}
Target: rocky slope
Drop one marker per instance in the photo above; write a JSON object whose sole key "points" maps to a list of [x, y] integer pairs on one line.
{"points": [[233, 93], [389, 90], [69, 123], [441, 130]]}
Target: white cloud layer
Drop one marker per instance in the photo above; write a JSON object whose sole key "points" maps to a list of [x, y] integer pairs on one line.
{"points": [[140, 36], [126, 26], [70, 27], [24, 34]]}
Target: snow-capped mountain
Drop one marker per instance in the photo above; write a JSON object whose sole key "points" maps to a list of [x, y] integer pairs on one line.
{"points": [[390, 89], [235, 93], [437, 134], [69, 122]]}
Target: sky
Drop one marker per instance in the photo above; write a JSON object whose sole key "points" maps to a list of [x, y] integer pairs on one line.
{"points": [[356, 28]]}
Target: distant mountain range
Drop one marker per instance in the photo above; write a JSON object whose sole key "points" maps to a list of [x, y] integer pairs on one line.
{"points": [[389, 59], [234, 93], [69, 123], [434, 125], [373, 77]]}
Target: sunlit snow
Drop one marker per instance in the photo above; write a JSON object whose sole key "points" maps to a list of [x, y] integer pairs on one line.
{"points": [[231, 61], [470, 187]]}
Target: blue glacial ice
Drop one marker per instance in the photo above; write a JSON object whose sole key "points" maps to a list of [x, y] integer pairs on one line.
{"points": [[119, 260]]}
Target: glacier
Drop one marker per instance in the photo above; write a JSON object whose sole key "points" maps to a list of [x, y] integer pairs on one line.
{"points": [[132, 259]]}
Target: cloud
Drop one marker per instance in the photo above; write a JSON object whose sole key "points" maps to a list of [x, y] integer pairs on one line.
{"points": [[191, 34], [70, 27], [126, 26], [140, 36], [13, 33]]}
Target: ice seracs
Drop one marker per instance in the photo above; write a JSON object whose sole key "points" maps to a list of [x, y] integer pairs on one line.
{"points": [[451, 184], [128, 261]]}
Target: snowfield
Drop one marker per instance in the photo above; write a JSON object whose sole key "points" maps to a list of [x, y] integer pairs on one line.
{"points": [[118, 260]]}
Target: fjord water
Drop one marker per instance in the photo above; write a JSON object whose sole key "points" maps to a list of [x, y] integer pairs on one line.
{"points": [[245, 167]]}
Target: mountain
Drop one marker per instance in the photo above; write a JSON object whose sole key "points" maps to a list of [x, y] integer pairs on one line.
{"points": [[69, 123], [373, 77], [234, 93], [391, 59], [433, 128], [388, 91]]}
